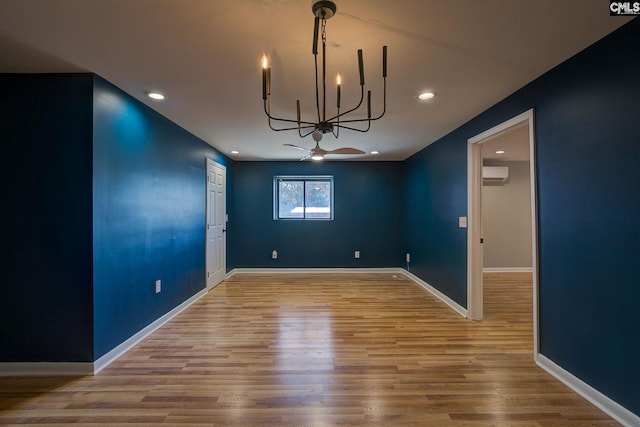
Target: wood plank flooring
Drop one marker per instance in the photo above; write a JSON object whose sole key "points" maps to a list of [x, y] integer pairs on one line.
{"points": [[320, 350]]}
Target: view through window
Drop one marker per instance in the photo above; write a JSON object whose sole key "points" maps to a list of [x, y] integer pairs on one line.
{"points": [[303, 197]]}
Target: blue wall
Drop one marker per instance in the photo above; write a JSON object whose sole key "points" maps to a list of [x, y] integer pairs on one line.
{"points": [[46, 303], [149, 180], [588, 148], [435, 195], [367, 217], [102, 197]]}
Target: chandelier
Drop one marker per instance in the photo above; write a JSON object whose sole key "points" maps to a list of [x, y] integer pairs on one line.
{"points": [[324, 10]]}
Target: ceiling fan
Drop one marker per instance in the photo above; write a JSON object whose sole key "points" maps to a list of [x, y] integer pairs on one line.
{"points": [[318, 153]]}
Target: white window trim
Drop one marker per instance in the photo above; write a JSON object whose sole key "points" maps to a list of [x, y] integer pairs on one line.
{"points": [[304, 178]]}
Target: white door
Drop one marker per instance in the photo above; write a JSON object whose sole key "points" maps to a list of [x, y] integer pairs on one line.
{"points": [[216, 223]]}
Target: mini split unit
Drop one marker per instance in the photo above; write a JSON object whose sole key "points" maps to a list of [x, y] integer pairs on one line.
{"points": [[495, 174]]}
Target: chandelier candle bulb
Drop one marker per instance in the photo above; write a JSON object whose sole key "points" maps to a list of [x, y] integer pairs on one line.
{"points": [[265, 65], [338, 83]]}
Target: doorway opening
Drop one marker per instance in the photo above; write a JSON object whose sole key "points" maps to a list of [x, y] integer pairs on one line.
{"points": [[482, 150]]}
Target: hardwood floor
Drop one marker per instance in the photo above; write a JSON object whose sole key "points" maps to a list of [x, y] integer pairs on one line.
{"points": [[320, 350]]}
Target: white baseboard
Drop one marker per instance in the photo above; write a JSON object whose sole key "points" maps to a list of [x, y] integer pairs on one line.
{"points": [[118, 351], [507, 270], [63, 368], [25, 369], [311, 270], [392, 270], [602, 402], [451, 303], [92, 368]]}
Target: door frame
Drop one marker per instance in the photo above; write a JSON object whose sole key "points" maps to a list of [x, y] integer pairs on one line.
{"points": [[209, 165], [474, 236]]}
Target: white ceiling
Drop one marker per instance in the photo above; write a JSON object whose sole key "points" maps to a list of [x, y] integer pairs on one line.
{"points": [[204, 55], [513, 141]]}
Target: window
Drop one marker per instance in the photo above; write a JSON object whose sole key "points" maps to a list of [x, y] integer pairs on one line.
{"points": [[303, 197]]}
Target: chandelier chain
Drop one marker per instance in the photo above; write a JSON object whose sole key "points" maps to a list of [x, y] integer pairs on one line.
{"points": [[324, 68], [324, 31]]}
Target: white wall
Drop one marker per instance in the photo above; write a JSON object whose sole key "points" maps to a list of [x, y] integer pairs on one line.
{"points": [[506, 218]]}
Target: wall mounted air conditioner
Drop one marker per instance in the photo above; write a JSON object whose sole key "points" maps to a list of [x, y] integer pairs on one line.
{"points": [[495, 173]]}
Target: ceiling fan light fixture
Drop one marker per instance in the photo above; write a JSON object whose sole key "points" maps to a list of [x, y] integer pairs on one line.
{"points": [[317, 157]]}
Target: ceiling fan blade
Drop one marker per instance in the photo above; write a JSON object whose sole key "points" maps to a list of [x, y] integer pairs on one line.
{"points": [[345, 150], [295, 146], [307, 157]]}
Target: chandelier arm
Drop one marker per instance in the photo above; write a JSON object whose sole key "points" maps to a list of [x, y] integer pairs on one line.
{"points": [[337, 116], [357, 121], [336, 133], [354, 121], [270, 117], [384, 101], [308, 133], [373, 119], [369, 119], [306, 124], [384, 110], [358, 130], [292, 128]]}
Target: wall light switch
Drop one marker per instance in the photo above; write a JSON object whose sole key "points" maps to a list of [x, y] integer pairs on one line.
{"points": [[357, 254], [462, 222], [158, 286]]}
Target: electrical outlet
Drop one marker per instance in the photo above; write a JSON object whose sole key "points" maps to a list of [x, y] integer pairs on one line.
{"points": [[357, 254], [274, 254], [462, 222], [408, 257], [158, 286]]}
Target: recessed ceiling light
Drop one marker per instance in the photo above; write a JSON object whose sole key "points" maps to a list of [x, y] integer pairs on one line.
{"points": [[155, 95], [500, 152], [426, 95], [235, 152], [375, 152]]}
